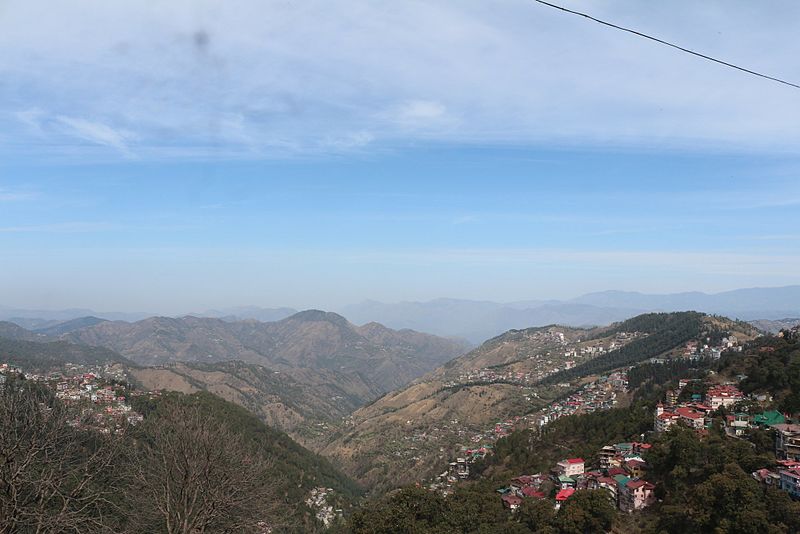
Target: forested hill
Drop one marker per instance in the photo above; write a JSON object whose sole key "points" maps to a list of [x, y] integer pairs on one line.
{"points": [[297, 470], [665, 332], [704, 480], [193, 463], [51, 355]]}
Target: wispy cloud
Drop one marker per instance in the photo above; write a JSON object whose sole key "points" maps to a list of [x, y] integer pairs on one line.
{"points": [[7, 195], [367, 75], [99, 133]]}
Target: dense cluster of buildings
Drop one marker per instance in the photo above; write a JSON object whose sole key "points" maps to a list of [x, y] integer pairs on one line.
{"points": [[97, 400], [619, 472], [600, 394], [697, 411]]}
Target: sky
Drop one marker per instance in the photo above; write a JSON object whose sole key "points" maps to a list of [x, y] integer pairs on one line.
{"points": [[179, 156]]}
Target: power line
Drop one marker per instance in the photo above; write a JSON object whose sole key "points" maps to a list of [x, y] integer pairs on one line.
{"points": [[661, 41]]}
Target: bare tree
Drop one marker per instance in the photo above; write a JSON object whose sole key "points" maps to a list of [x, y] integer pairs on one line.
{"points": [[53, 478], [193, 474]]}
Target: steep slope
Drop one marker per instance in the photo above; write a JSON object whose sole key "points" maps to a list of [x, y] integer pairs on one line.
{"points": [[301, 403], [297, 470], [382, 359], [411, 433]]}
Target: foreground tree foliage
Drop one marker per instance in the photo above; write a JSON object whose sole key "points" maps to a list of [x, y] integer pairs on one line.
{"points": [[197, 464], [191, 474], [706, 487], [52, 477], [478, 509]]}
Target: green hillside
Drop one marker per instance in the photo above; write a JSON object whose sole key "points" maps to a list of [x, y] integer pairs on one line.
{"points": [[36, 356]]}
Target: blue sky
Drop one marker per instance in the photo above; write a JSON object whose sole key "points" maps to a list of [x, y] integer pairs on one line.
{"points": [[179, 156]]}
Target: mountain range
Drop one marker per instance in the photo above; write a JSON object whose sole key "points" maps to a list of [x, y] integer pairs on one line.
{"points": [[411, 431], [299, 374], [479, 320], [476, 321], [321, 341]]}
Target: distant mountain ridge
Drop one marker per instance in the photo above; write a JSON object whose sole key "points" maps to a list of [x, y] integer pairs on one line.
{"points": [[476, 321], [380, 357], [479, 320]]}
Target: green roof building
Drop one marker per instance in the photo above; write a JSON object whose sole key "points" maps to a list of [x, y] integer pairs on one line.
{"points": [[769, 418]]}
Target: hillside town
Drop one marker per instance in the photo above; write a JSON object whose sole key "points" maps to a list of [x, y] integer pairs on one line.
{"points": [[98, 399], [599, 394], [618, 471]]}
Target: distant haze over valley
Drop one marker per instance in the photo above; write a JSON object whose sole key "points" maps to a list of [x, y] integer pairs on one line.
{"points": [[476, 321]]}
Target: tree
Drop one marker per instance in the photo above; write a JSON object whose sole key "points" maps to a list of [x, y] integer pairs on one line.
{"points": [[536, 514], [53, 478], [586, 512], [192, 474]]}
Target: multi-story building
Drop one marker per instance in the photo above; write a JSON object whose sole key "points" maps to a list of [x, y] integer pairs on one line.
{"points": [[635, 495], [726, 396], [570, 467], [790, 481], [787, 441]]}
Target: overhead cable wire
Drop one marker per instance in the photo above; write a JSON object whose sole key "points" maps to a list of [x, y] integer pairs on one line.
{"points": [[667, 43]]}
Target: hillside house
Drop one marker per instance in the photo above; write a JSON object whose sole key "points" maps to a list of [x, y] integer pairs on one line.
{"points": [[691, 417], [787, 441], [790, 481], [562, 496], [726, 396], [511, 501], [737, 424], [769, 418], [635, 495], [570, 467], [605, 456]]}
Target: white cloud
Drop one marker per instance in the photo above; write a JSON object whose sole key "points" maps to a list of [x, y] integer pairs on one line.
{"points": [[96, 132], [290, 77], [418, 114]]}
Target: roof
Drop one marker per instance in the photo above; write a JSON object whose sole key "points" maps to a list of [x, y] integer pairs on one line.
{"points": [[564, 494], [771, 417], [575, 460], [786, 427], [616, 471], [511, 499], [564, 478], [532, 492], [689, 413], [634, 484], [621, 479]]}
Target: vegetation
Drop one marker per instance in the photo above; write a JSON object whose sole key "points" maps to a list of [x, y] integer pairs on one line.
{"points": [[53, 478], [771, 365], [578, 435], [665, 332], [478, 509], [196, 464], [706, 487], [53, 355]]}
